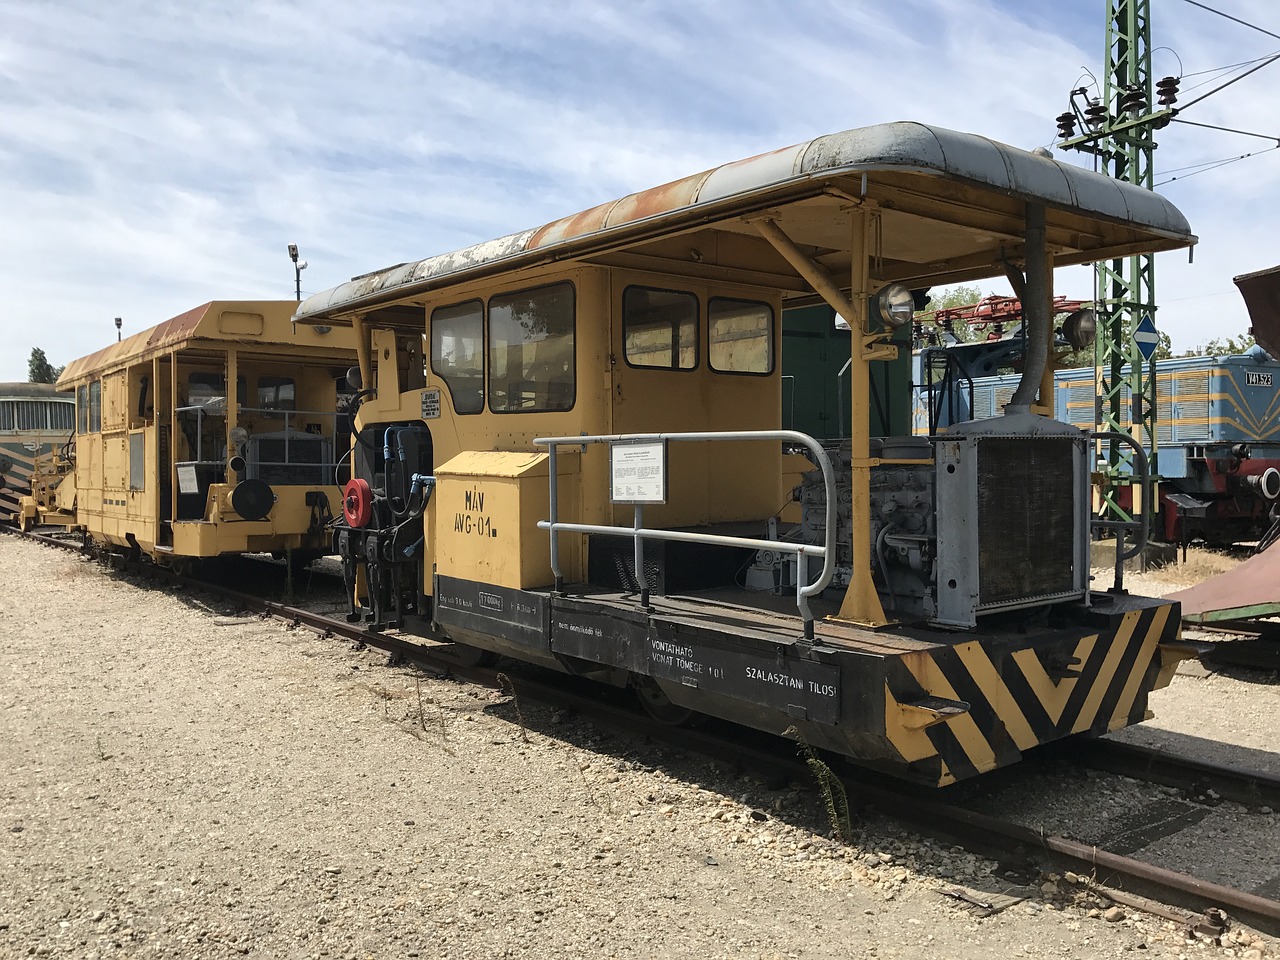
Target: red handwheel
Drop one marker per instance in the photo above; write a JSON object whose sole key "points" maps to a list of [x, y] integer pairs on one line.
{"points": [[357, 502]]}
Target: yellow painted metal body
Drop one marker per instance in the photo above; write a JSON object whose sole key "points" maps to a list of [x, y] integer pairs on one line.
{"points": [[926, 718], [830, 221], [710, 483], [156, 439], [485, 515], [52, 501]]}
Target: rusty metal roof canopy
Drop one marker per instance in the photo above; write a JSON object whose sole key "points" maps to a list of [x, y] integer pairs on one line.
{"points": [[176, 332], [919, 168], [1261, 292]]}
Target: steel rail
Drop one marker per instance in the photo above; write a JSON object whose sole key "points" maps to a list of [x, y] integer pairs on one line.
{"points": [[1242, 785], [1110, 869], [980, 833]]}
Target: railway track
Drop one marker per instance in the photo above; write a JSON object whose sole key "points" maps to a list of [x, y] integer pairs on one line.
{"points": [[1197, 903], [1254, 644]]}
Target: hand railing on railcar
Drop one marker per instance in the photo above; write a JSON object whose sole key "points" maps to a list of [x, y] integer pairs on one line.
{"points": [[1141, 524], [639, 533], [286, 436]]}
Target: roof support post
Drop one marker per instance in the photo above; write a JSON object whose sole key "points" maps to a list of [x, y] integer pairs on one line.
{"points": [[1048, 396], [233, 394], [861, 602], [362, 351], [171, 423]]}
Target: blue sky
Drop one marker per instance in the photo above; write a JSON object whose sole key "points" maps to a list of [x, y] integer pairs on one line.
{"points": [[155, 156]]}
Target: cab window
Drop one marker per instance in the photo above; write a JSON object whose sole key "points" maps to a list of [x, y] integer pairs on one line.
{"points": [[457, 353], [95, 406], [531, 350], [276, 393], [660, 328], [739, 336], [207, 386]]}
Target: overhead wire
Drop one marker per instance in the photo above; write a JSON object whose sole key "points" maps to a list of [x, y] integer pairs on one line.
{"points": [[1243, 23], [1225, 68], [1266, 61], [1211, 126], [1254, 65], [1215, 164]]}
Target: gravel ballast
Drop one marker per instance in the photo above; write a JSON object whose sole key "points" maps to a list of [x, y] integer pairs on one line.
{"points": [[182, 781]]}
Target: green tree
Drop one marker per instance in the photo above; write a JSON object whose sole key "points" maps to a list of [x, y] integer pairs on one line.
{"points": [[961, 295], [1220, 346], [39, 370]]}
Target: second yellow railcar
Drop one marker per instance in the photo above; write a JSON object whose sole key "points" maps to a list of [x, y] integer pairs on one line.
{"points": [[214, 432]]}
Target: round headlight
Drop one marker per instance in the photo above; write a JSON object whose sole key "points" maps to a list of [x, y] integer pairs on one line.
{"points": [[1080, 329], [894, 305]]}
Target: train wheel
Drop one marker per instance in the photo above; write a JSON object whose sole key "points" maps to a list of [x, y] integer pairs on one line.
{"points": [[184, 566], [658, 705]]}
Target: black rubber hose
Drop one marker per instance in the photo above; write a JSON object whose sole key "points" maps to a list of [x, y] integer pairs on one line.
{"points": [[352, 410]]}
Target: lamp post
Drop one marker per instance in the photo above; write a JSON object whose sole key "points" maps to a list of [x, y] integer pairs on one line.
{"points": [[298, 267]]}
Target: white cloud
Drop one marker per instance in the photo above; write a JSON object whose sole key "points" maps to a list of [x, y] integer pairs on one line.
{"points": [[154, 157]]}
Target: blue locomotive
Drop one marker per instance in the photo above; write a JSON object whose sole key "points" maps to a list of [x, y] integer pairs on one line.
{"points": [[1217, 427]]}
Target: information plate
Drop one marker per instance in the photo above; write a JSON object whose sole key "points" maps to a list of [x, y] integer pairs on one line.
{"points": [[638, 471], [431, 404], [1257, 378], [187, 482]]}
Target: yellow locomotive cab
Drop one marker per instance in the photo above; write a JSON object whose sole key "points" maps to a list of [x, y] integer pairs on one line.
{"points": [[571, 450]]}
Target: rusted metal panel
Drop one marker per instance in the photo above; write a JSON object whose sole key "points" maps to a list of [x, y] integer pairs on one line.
{"points": [[580, 224], [174, 330], [1261, 292], [657, 200], [905, 149], [200, 321], [742, 176], [1250, 590], [418, 276]]}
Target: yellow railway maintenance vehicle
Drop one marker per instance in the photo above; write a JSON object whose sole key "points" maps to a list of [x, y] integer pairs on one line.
{"points": [[171, 463], [584, 466], [35, 424]]}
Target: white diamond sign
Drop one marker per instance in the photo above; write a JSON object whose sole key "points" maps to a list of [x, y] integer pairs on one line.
{"points": [[1147, 337]]}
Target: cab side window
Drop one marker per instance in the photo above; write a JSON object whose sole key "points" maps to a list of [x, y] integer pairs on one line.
{"points": [[457, 353], [660, 328], [531, 350], [276, 393], [95, 406], [740, 336]]}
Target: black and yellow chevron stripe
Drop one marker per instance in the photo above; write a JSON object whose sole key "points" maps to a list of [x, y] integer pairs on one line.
{"points": [[16, 465], [1018, 697]]}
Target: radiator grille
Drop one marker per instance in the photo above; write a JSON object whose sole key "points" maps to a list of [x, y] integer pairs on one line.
{"points": [[1025, 553]]}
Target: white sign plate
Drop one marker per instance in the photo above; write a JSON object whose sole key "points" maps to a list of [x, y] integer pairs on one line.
{"points": [[187, 482], [638, 471], [1147, 337], [431, 404]]}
